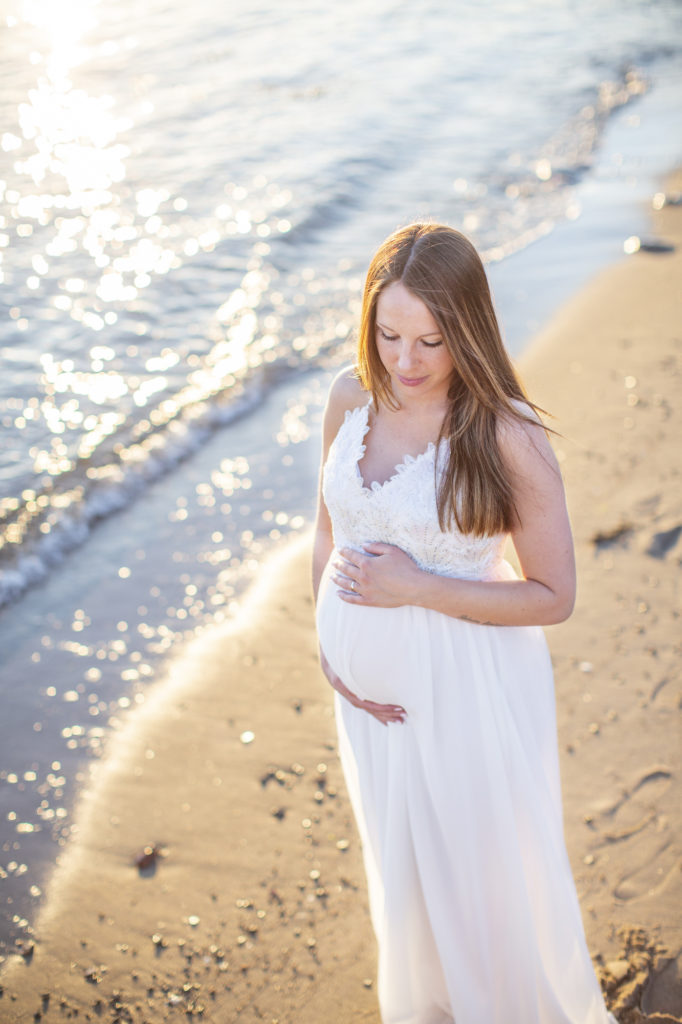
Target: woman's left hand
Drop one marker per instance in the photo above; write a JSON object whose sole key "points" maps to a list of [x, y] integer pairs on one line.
{"points": [[381, 575]]}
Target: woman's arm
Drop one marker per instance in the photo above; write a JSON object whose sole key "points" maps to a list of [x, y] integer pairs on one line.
{"points": [[387, 577], [345, 394]]}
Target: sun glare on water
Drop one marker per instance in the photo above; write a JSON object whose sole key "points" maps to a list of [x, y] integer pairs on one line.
{"points": [[74, 133], [95, 213]]}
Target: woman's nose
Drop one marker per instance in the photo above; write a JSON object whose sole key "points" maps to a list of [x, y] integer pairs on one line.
{"points": [[406, 356]]}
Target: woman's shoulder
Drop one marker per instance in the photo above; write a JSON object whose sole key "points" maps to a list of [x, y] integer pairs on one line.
{"points": [[522, 437], [520, 420], [524, 412], [347, 390], [345, 394]]}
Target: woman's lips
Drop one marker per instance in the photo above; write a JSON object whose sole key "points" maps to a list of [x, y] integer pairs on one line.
{"points": [[411, 382]]}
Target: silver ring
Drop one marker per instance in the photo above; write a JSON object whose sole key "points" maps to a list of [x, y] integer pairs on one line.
{"points": [[352, 585]]}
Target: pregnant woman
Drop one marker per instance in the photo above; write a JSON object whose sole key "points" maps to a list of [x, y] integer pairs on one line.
{"points": [[444, 693]]}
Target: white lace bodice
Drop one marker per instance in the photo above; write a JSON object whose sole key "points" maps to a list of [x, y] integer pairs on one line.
{"points": [[401, 511]]}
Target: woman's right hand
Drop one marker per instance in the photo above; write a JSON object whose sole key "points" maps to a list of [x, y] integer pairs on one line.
{"points": [[384, 713]]}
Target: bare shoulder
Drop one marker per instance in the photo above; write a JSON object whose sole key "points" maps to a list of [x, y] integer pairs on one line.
{"points": [[346, 389], [345, 393], [524, 444]]}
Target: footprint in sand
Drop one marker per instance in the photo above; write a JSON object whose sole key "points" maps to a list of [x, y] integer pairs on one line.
{"points": [[661, 544], [657, 871], [664, 989], [645, 788], [614, 536], [651, 865], [664, 541]]}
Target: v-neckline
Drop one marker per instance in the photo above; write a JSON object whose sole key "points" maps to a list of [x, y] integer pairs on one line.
{"points": [[407, 460]]}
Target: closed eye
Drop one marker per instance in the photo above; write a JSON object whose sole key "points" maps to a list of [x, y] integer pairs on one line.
{"points": [[394, 337], [385, 336]]}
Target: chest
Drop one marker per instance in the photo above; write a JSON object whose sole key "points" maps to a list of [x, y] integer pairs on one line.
{"points": [[390, 442], [400, 507]]}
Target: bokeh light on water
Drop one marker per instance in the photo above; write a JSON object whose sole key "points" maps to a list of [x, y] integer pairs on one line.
{"points": [[118, 385]]}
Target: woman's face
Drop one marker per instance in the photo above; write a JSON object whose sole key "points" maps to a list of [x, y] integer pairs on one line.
{"points": [[411, 346]]}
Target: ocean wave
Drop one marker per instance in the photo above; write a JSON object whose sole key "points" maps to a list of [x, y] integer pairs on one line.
{"points": [[71, 513]]}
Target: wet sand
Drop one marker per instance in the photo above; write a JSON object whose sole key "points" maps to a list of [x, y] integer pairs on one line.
{"points": [[252, 906]]}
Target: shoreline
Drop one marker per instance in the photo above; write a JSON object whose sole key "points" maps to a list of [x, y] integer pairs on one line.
{"points": [[267, 858]]}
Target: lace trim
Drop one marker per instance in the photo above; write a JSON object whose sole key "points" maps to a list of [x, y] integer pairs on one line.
{"points": [[401, 510], [407, 460]]}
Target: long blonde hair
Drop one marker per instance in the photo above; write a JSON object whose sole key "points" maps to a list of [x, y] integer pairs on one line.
{"points": [[442, 268]]}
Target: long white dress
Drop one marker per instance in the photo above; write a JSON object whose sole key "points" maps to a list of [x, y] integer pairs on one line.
{"points": [[459, 808]]}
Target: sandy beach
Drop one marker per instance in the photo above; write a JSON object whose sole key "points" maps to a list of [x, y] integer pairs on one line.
{"points": [[249, 904]]}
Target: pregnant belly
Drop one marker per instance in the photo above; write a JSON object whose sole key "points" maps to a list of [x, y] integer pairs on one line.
{"points": [[374, 651]]}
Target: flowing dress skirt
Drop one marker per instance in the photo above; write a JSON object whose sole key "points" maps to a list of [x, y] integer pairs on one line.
{"points": [[459, 811]]}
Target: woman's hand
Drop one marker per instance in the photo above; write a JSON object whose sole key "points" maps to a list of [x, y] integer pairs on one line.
{"points": [[381, 575], [384, 713]]}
